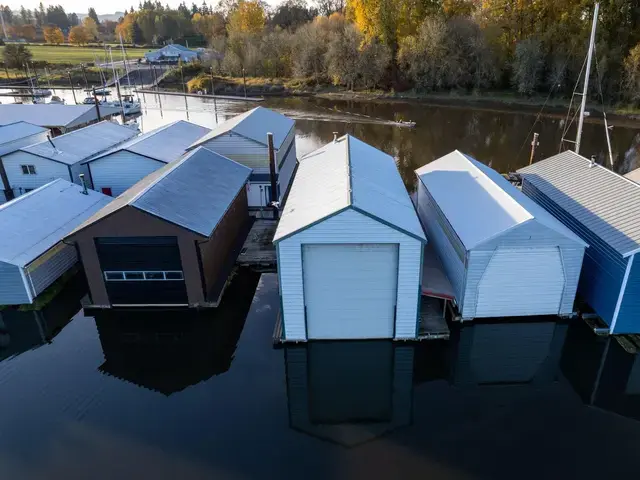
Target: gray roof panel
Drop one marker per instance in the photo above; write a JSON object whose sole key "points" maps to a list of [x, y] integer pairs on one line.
{"points": [[82, 144], [52, 115], [164, 144], [193, 192], [254, 125], [606, 203], [38, 220], [18, 130]]}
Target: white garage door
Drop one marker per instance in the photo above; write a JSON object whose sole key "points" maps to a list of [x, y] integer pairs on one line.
{"points": [[520, 282], [350, 290]]}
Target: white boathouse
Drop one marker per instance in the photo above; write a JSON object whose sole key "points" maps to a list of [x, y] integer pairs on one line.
{"points": [[123, 166], [32, 254], [349, 247], [504, 254], [243, 138]]}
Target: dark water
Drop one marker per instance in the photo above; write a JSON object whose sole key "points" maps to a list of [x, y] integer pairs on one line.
{"points": [[177, 395]]}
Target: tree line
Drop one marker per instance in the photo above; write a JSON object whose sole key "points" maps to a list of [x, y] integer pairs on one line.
{"points": [[531, 47]]}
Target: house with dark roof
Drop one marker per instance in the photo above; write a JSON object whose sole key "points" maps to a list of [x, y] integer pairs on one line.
{"points": [[171, 239]]}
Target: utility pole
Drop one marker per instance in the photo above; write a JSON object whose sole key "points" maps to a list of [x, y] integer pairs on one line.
{"points": [[585, 90], [72, 89], [86, 81], [534, 145], [213, 93]]}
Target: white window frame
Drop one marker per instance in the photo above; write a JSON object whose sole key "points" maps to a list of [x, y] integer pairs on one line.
{"points": [[144, 278], [30, 169]]}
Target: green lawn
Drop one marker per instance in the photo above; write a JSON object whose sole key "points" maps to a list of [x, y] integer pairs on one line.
{"points": [[76, 55]]}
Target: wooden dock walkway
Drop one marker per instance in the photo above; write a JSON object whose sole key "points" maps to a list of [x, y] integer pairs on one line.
{"points": [[258, 251]]}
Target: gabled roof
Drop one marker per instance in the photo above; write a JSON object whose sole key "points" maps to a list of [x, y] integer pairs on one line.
{"points": [[479, 203], [83, 143], [254, 125], [16, 131], [193, 192], [52, 115], [348, 173], [36, 221], [606, 203], [164, 144]]}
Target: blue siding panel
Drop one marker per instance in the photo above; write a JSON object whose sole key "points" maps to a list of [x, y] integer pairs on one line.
{"points": [[629, 314], [602, 269]]}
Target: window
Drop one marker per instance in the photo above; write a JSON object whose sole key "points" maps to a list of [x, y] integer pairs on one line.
{"points": [[133, 276], [173, 275], [28, 169], [114, 275], [155, 276]]}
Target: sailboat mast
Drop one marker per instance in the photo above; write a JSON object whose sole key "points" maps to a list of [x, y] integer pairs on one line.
{"points": [[586, 76]]}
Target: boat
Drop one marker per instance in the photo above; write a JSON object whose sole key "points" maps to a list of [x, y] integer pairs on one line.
{"points": [[41, 92], [129, 105], [57, 100], [99, 91]]}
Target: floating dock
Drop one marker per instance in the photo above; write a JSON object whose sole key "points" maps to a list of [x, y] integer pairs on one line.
{"points": [[217, 97], [258, 251]]}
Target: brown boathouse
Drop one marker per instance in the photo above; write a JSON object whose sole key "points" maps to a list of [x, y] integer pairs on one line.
{"points": [[171, 239]]}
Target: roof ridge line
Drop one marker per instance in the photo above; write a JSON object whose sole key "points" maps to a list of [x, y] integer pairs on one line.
{"points": [[513, 200], [596, 164], [349, 173]]}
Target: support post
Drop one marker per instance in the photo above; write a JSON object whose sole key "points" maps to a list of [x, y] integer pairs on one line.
{"points": [[272, 171], [97, 104], [184, 90], [534, 145], [75, 100], [213, 93], [244, 82]]}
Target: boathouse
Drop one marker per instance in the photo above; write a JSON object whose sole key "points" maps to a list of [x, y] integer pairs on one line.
{"points": [[171, 239], [32, 254], [61, 157], [603, 208], [349, 247], [505, 255], [13, 137], [244, 139], [58, 118], [123, 166]]}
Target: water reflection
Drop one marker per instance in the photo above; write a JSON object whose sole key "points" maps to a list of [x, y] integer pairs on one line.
{"points": [[349, 393], [170, 350], [21, 331], [605, 372]]}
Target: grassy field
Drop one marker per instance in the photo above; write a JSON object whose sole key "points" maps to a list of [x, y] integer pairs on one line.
{"points": [[76, 55]]}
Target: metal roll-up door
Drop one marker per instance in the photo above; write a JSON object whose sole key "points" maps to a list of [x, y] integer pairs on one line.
{"points": [[142, 270], [521, 282], [350, 290]]}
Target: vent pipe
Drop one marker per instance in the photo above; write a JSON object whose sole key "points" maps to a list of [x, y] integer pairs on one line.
{"points": [[592, 162], [335, 137], [55, 149], [84, 184], [272, 171]]}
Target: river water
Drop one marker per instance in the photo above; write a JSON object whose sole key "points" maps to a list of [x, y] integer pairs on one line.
{"points": [[169, 394]]}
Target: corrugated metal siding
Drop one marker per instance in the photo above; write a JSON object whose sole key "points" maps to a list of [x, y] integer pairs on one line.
{"points": [[46, 171], [452, 257], [121, 170], [242, 150], [521, 282], [602, 269], [286, 172], [349, 227], [76, 170], [12, 288], [50, 270], [629, 315]]}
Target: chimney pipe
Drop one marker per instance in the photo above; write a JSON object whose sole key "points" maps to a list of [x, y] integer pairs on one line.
{"points": [[335, 137], [84, 184], [52, 144], [272, 171], [592, 162]]}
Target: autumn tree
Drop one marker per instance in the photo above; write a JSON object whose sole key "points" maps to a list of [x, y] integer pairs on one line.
{"points": [[248, 17], [91, 27], [53, 34], [632, 74], [209, 26], [79, 35], [15, 55]]}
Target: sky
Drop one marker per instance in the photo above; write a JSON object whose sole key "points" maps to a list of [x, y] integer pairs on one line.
{"points": [[103, 8]]}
